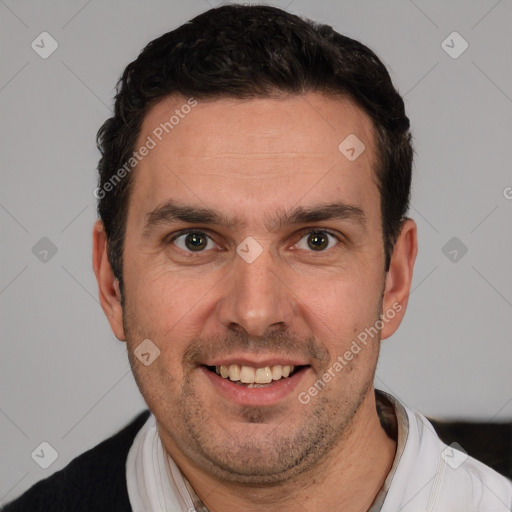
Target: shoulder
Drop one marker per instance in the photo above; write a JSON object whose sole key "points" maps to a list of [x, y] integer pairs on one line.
{"points": [[475, 482], [431, 475], [95, 480], [459, 481]]}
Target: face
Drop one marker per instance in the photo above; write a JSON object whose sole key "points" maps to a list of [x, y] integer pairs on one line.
{"points": [[254, 249]]}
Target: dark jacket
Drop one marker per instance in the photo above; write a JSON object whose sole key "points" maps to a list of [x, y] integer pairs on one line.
{"points": [[95, 481]]}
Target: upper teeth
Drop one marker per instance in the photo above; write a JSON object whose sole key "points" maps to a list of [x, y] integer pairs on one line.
{"points": [[250, 375]]}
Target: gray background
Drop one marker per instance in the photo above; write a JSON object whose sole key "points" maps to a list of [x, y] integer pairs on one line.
{"points": [[65, 379]]}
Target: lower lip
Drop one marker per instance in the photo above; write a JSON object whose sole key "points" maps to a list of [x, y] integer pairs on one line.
{"points": [[270, 394]]}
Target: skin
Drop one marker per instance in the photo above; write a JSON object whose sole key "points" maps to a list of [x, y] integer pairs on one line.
{"points": [[251, 161]]}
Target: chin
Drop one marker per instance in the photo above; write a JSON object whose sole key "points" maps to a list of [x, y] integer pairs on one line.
{"points": [[259, 454]]}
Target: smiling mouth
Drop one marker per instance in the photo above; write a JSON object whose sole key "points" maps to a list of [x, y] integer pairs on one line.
{"points": [[251, 377]]}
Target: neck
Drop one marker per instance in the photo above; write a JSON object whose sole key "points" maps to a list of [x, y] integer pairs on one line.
{"points": [[348, 478]]}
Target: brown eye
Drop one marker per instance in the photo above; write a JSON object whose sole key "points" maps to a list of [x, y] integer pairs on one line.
{"points": [[317, 241], [196, 241], [193, 241]]}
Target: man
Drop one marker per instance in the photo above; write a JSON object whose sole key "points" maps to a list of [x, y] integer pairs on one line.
{"points": [[252, 251]]}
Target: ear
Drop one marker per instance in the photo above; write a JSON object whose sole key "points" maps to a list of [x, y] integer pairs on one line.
{"points": [[399, 278], [108, 285]]}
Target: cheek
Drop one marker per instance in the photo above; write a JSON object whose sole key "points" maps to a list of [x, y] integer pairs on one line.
{"points": [[340, 306], [168, 310], [164, 299]]}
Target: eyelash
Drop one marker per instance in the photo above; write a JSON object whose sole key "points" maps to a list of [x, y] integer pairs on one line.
{"points": [[303, 234]]}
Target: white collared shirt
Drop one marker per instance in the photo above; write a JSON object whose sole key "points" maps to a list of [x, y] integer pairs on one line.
{"points": [[426, 475]]}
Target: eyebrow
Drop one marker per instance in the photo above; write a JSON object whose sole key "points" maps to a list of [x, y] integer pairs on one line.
{"points": [[171, 211], [319, 213]]}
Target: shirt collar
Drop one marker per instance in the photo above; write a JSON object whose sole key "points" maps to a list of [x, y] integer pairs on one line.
{"points": [[393, 418]]}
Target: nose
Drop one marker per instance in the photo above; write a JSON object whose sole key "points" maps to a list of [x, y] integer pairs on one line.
{"points": [[256, 297]]}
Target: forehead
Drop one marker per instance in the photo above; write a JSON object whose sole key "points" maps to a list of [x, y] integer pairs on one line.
{"points": [[253, 152]]}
